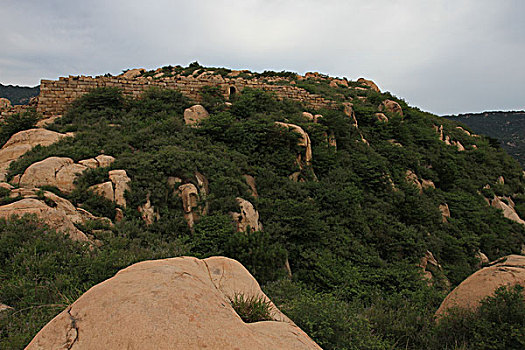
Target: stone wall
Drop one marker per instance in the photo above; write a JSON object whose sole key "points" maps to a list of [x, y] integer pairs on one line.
{"points": [[55, 96]]}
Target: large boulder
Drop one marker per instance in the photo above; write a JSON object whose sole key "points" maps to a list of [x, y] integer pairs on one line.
{"points": [[133, 73], [248, 217], [369, 83], [304, 141], [5, 104], [53, 217], [195, 114], [178, 303], [190, 201], [22, 142], [60, 172], [507, 209], [392, 107], [120, 181], [509, 270]]}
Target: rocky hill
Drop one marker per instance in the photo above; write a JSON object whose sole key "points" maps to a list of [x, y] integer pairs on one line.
{"points": [[18, 95], [355, 212], [506, 127]]}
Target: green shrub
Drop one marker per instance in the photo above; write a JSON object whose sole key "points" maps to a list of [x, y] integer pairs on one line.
{"points": [[252, 308], [498, 323], [15, 123]]}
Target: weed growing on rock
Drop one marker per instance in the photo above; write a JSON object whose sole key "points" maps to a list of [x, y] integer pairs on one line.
{"points": [[252, 308]]}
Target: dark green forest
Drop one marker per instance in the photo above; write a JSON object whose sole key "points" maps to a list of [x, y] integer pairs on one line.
{"points": [[506, 127], [352, 228]]}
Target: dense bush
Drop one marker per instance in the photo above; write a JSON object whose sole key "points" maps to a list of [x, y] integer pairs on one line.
{"points": [[352, 229], [15, 123]]}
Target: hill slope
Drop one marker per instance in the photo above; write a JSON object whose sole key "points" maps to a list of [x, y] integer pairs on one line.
{"points": [[18, 95], [507, 127], [355, 219]]}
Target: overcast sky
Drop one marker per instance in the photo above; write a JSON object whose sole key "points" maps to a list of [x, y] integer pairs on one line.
{"points": [[447, 56]]}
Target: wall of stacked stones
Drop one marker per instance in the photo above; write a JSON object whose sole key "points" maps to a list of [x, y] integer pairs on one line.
{"points": [[55, 96]]}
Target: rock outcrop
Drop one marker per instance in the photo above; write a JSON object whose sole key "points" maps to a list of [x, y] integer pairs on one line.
{"points": [[432, 270], [381, 117], [178, 303], [4, 104], [392, 107], [133, 73], [24, 141], [250, 181], [190, 203], [445, 212], [59, 172], [100, 161], [195, 114], [507, 208], [369, 83], [57, 212], [247, 218], [304, 141], [509, 270], [147, 212], [120, 181]]}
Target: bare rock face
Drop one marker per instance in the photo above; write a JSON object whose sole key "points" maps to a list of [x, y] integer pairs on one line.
{"points": [[133, 73], [120, 181], [349, 111], [381, 117], [445, 212], [411, 177], [5, 104], [427, 184], [178, 303], [190, 201], [195, 114], [508, 209], [432, 270], [248, 217], [370, 83], [390, 106], [148, 213], [100, 161], [104, 190], [60, 172], [250, 180], [304, 141], [22, 142], [509, 270]]}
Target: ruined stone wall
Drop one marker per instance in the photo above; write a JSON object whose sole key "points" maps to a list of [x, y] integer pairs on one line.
{"points": [[55, 96]]}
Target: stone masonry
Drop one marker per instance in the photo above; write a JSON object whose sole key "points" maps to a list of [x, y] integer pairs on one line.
{"points": [[55, 96]]}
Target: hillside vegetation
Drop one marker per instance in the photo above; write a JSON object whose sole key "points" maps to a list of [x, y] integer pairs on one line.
{"points": [[18, 95], [353, 229], [506, 127]]}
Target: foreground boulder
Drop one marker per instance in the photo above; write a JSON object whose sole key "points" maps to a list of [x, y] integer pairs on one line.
{"points": [[178, 303], [24, 141], [509, 270]]}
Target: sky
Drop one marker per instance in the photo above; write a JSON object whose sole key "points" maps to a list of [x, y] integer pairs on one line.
{"points": [[445, 57]]}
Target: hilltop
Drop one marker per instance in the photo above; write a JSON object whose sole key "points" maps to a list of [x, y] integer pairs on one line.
{"points": [[356, 212], [506, 127]]}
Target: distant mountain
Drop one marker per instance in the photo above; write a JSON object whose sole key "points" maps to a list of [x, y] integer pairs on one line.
{"points": [[18, 95], [507, 127]]}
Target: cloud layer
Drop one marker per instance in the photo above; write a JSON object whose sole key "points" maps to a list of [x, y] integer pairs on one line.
{"points": [[442, 56]]}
